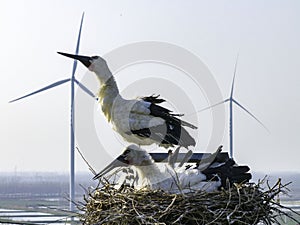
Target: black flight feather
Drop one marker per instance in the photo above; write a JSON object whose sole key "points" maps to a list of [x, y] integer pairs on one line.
{"points": [[153, 99], [172, 132]]}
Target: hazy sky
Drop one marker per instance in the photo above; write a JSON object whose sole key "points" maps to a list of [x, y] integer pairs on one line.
{"points": [[35, 132]]}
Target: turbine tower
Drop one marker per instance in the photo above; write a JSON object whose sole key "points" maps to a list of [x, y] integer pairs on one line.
{"points": [[231, 100], [73, 80]]}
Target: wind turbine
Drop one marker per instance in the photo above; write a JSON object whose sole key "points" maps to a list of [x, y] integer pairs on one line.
{"points": [[73, 80], [231, 100]]}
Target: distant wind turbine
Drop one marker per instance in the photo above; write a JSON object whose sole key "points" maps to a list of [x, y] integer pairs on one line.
{"points": [[231, 100], [73, 80]]}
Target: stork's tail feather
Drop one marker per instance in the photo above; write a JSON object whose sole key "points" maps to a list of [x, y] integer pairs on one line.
{"points": [[229, 173], [153, 99]]}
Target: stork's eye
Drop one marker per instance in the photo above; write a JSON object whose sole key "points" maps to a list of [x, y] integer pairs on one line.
{"points": [[126, 152], [95, 57]]}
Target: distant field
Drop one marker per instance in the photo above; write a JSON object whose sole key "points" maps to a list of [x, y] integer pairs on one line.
{"points": [[33, 203], [39, 193]]}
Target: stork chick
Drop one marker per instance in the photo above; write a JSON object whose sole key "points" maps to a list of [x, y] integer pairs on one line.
{"points": [[166, 179]]}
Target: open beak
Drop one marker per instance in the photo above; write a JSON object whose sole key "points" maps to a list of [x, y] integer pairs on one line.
{"points": [[85, 60], [118, 162]]}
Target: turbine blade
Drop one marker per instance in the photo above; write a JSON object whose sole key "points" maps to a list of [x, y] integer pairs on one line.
{"points": [[85, 89], [77, 46], [212, 106], [232, 85], [42, 89], [242, 107]]}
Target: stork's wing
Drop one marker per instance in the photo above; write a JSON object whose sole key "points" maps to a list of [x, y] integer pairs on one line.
{"points": [[159, 111], [229, 172], [149, 120]]}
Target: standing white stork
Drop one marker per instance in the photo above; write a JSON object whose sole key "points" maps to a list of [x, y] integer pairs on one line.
{"points": [[141, 121], [150, 176]]}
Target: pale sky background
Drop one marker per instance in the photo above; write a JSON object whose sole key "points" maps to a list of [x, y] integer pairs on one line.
{"points": [[35, 132]]}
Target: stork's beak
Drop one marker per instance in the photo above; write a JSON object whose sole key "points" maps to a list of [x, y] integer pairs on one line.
{"points": [[85, 60], [118, 162]]}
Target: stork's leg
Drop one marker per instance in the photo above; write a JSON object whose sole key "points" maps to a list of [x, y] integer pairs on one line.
{"points": [[186, 158], [173, 157], [170, 157]]}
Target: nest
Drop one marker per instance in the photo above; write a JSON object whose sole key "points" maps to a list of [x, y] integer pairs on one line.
{"points": [[240, 204]]}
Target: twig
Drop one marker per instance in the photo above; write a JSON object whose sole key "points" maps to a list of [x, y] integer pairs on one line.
{"points": [[87, 163]]}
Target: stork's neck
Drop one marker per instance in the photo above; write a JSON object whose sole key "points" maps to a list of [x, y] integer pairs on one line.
{"points": [[108, 93], [149, 172], [152, 177]]}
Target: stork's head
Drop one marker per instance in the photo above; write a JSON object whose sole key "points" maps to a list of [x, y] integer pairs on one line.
{"points": [[137, 156], [94, 63], [132, 155]]}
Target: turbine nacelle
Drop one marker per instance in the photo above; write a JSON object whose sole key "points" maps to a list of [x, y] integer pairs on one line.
{"points": [[231, 100], [72, 137]]}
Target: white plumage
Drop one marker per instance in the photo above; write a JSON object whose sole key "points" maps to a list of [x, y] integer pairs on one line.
{"points": [[153, 177], [141, 121]]}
